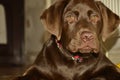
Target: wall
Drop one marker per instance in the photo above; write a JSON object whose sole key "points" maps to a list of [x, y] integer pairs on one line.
{"points": [[35, 34], [113, 43], [3, 34], [34, 30]]}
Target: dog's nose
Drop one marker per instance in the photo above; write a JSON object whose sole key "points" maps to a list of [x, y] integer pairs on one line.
{"points": [[87, 36]]}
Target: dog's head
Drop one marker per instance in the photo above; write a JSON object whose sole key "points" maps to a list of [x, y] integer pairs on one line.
{"points": [[80, 25]]}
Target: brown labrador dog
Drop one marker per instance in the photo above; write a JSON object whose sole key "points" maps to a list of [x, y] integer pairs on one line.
{"points": [[75, 49]]}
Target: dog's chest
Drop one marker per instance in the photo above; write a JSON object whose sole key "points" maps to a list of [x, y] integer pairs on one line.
{"points": [[71, 73]]}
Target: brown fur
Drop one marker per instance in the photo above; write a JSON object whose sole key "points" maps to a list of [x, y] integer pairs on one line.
{"points": [[78, 27]]}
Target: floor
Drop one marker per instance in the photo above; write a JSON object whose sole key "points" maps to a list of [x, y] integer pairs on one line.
{"points": [[9, 72]]}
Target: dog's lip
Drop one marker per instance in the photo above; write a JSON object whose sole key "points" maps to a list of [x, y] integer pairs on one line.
{"points": [[86, 49]]}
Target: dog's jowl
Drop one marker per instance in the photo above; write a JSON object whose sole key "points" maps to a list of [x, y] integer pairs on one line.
{"points": [[75, 50]]}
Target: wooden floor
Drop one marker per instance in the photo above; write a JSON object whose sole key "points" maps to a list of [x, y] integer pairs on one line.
{"points": [[9, 72]]}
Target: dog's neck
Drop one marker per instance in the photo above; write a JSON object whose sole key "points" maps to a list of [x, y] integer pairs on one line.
{"points": [[77, 57]]}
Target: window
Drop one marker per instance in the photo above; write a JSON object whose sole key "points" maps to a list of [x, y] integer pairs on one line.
{"points": [[3, 32]]}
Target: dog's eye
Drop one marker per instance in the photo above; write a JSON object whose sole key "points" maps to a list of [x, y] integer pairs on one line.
{"points": [[94, 18], [76, 13], [71, 17]]}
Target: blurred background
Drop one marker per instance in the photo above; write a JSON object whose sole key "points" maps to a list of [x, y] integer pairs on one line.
{"points": [[22, 34]]}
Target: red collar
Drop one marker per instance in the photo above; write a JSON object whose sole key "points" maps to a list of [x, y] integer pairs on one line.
{"points": [[75, 58]]}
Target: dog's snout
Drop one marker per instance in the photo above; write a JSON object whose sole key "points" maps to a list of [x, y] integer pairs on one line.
{"points": [[87, 36]]}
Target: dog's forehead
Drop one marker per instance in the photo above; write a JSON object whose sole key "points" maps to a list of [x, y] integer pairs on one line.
{"points": [[82, 4]]}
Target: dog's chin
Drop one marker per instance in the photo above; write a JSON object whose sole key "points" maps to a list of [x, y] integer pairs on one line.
{"points": [[85, 51], [88, 51]]}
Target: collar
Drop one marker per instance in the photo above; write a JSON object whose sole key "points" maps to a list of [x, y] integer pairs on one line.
{"points": [[75, 57]]}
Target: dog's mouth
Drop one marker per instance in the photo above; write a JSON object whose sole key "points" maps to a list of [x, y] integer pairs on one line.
{"points": [[92, 47], [88, 47], [88, 50], [84, 50], [86, 43]]}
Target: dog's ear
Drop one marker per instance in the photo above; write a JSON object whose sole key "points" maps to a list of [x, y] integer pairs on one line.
{"points": [[110, 21], [52, 18]]}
